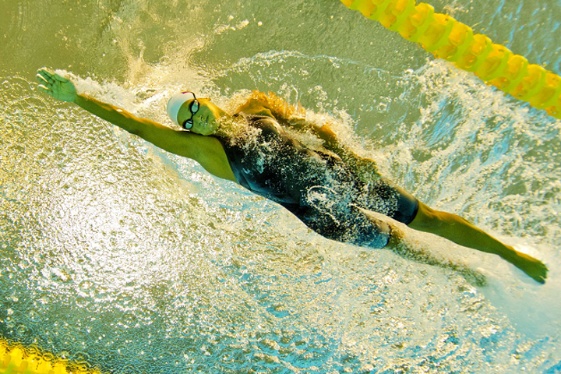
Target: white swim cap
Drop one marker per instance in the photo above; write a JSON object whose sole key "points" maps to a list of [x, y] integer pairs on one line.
{"points": [[175, 103]]}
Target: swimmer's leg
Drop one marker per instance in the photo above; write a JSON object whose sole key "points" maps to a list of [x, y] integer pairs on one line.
{"points": [[462, 232], [399, 244]]}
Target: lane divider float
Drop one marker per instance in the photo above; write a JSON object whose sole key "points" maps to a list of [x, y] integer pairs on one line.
{"points": [[451, 40], [17, 359]]}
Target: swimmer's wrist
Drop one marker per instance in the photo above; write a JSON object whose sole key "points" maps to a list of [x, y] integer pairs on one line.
{"points": [[80, 98], [83, 98]]}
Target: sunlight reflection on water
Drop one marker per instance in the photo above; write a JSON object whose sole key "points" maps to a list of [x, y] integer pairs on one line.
{"points": [[138, 261]]}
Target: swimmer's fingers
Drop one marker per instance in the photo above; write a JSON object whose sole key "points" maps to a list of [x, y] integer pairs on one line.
{"points": [[44, 76], [44, 79], [533, 267], [50, 78], [44, 84], [44, 89]]}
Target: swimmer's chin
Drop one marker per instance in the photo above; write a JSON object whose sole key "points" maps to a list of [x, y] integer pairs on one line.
{"points": [[207, 127]]}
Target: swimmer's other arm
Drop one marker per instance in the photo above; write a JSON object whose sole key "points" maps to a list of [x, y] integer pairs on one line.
{"points": [[272, 106]]}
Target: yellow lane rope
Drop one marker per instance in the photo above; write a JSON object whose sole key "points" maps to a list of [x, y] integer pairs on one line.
{"points": [[17, 359], [446, 38]]}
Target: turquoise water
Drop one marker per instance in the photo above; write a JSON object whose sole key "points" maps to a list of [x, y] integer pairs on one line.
{"points": [[116, 253]]}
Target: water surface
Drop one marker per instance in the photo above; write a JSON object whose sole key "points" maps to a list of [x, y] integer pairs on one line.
{"points": [[114, 252]]}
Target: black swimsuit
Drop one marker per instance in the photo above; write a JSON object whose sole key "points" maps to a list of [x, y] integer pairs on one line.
{"points": [[316, 186]]}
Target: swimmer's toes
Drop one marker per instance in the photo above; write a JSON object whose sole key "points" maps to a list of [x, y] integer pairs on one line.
{"points": [[533, 267], [537, 271]]}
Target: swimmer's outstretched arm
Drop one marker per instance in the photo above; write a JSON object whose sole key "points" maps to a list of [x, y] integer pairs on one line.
{"points": [[207, 151]]}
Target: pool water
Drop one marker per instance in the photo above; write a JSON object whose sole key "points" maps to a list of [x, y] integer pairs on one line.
{"points": [[134, 260]]}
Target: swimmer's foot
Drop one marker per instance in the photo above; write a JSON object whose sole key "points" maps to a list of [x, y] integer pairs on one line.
{"points": [[533, 267]]}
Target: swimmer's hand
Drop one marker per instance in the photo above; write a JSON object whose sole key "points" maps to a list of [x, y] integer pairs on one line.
{"points": [[55, 85]]}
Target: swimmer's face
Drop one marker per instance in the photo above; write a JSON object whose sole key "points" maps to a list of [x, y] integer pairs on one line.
{"points": [[203, 115]]}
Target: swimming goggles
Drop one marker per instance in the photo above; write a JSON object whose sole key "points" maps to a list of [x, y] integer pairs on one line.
{"points": [[193, 108]]}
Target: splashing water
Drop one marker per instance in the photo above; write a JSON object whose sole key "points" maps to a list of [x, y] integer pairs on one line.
{"points": [[119, 254]]}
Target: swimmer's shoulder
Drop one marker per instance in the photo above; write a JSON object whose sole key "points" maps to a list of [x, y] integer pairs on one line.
{"points": [[256, 107]]}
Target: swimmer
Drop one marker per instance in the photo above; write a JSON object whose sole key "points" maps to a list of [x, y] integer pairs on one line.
{"points": [[332, 190]]}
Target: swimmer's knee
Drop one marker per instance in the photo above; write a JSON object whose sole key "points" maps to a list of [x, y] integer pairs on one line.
{"points": [[425, 218], [376, 230]]}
